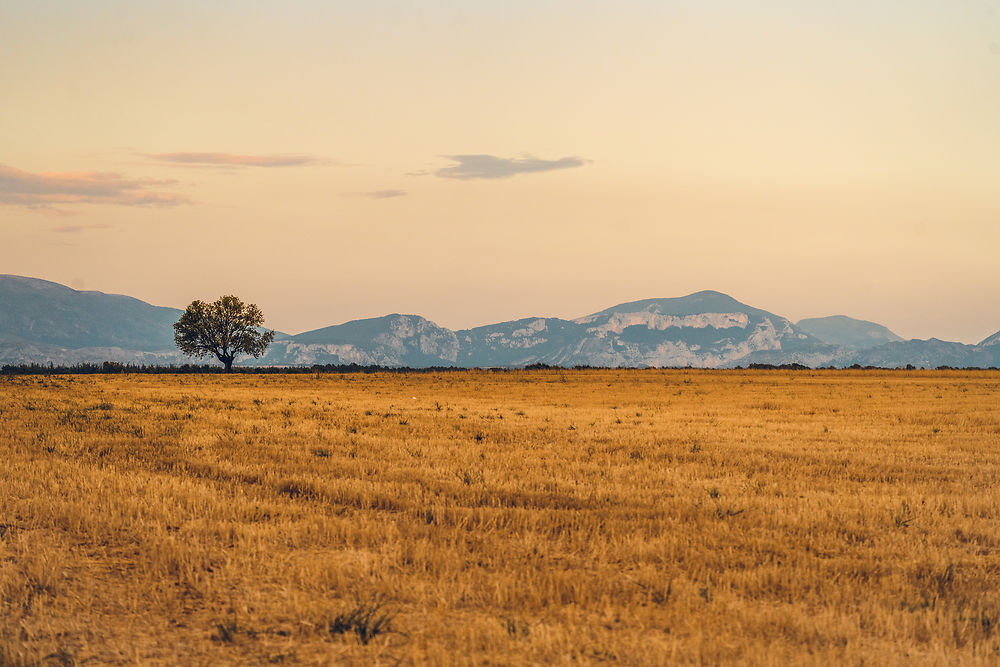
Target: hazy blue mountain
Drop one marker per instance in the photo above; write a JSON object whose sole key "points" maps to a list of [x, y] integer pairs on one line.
{"points": [[42, 312], [990, 341], [392, 340], [991, 344], [929, 353], [848, 332], [704, 329], [545, 340], [24, 352], [42, 322]]}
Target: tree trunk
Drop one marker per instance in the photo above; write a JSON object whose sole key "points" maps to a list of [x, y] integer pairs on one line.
{"points": [[228, 361]]}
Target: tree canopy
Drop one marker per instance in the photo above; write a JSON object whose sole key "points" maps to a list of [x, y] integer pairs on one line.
{"points": [[226, 328]]}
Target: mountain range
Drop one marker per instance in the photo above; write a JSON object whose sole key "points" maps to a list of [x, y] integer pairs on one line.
{"points": [[45, 322]]}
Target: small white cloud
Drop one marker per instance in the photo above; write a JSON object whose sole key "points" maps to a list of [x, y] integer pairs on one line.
{"points": [[490, 166]]}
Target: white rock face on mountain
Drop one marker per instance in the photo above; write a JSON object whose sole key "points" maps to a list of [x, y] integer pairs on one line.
{"points": [[527, 336], [649, 318], [299, 354], [393, 340], [520, 343]]}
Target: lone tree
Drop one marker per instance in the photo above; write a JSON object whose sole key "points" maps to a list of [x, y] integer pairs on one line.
{"points": [[225, 328]]}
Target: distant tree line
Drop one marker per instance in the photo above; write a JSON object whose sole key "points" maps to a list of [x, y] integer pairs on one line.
{"points": [[114, 367]]}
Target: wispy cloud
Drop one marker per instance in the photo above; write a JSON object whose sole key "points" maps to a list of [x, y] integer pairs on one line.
{"points": [[385, 194], [74, 229], [44, 190], [491, 166], [235, 160], [377, 194]]}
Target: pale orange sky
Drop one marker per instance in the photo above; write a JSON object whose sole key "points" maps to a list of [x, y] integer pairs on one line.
{"points": [[806, 159]]}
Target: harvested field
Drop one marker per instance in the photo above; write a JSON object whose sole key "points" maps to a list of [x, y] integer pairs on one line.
{"points": [[501, 518]]}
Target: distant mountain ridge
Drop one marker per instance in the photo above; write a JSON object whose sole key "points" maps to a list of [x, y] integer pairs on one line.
{"points": [[848, 332], [990, 341], [391, 340], [705, 329], [42, 322], [43, 312]]}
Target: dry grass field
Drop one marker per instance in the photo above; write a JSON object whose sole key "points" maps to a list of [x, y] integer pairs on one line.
{"points": [[641, 517]]}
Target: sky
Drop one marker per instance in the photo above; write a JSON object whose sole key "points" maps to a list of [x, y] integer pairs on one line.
{"points": [[475, 162]]}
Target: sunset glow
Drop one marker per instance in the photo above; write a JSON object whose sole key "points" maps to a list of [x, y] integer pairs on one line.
{"points": [[478, 162]]}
